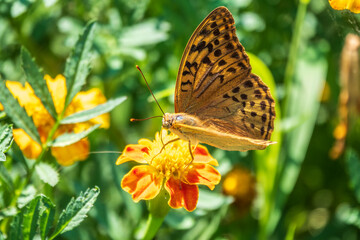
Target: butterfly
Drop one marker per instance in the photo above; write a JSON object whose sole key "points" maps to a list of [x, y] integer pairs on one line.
{"points": [[218, 101]]}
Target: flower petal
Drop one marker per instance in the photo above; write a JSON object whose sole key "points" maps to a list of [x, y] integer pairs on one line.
{"points": [[182, 194], [68, 155], [58, 90], [32, 104], [89, 99], [204, 174], [353, 6], [142, 183], [29, 147], [202, 155], [133, 152]]}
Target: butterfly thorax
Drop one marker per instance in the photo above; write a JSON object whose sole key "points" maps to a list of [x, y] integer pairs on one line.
{"points": [[174, 122]]}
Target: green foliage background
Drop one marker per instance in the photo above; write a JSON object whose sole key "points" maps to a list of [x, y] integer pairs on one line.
{"points": [[295, 47]]}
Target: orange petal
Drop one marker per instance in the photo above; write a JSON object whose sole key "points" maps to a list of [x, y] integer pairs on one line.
{"points": [[142, 183], [133, 152], [27, 99], [58, 90], [182, 194], [204, 174], [1, 107], [29, 147], [86, 100], [202, 155], [352, 5], [68, 155]]}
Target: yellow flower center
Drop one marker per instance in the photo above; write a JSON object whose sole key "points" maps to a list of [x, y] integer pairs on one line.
{"points": [[173, 160]]}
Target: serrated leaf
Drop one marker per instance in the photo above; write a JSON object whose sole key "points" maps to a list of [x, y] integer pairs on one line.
{"points": [[94, 112], [27, 195], [15, 227], [36, 79], [2, 157], [76, 211], [78, 64], [30, 218], [47, 174], [46, 216], [70, 138], [353, 165], [8, 212], [17, 113], [6, 139]]}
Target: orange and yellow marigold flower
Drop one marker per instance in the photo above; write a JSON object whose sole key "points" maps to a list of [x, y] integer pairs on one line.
{"points": [[241, 185], [170, 168], [352, 5], [44, 121]]}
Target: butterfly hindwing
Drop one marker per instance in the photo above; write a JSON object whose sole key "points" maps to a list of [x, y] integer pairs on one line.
{"points": [[248, 109]]}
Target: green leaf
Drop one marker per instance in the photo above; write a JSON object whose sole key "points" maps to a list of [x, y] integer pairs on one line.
{"points": [[27, 195], [78, 64], [5, 179], [210, 201], [6, 138], [46, 216], [8, 212], [353, 165], [70, 138], [17, 113], [76, 211], [36, 79], [47, 174], [94, 112], [30, 218], [16, 227], [146, 33]]}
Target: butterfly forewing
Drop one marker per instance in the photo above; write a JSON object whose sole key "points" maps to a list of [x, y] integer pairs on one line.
{"points": [[213, 56]]}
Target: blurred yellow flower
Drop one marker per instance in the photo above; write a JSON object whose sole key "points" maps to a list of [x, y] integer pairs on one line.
{"points": [[172, 169], [352, 5], [44, 122], [240, 184]]}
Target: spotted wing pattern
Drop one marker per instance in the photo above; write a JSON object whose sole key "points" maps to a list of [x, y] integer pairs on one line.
{"points": [[216, 85]]}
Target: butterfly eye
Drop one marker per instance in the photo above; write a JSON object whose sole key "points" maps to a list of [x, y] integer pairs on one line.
{"points": [[179, 118]]}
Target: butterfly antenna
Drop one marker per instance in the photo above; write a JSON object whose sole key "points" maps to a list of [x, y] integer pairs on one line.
{"points": [[137, 120], [138, 68]]}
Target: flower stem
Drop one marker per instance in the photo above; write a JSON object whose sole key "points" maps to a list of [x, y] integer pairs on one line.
{"points": [[152, 226], [158, 209]]}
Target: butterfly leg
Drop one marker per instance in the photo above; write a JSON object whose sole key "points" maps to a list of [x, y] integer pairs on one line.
{"points": [[164, 145], [191, 154]]}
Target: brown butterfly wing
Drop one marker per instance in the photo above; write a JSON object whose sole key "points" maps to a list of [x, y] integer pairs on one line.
{"points": [[215, 84]]}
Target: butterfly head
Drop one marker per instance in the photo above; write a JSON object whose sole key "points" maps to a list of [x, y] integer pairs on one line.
{"points": [[168, 120]]}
